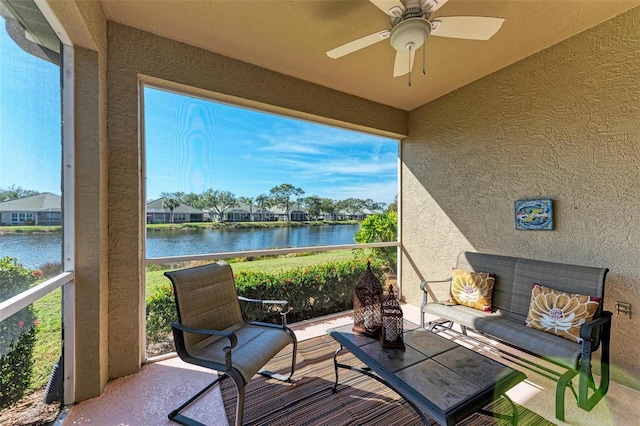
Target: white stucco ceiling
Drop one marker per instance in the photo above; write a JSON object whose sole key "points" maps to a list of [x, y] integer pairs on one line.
{"points": [[292, 36]]}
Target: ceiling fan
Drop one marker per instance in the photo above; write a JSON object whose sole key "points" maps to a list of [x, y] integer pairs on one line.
{"points": [[411, 24]]}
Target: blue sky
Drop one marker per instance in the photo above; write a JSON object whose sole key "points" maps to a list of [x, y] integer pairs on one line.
{"points": [[30, 148], [192, 144]]}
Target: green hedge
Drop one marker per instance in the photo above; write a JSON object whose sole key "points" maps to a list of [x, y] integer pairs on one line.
{"points": [[161, 311], [17, 333], [16, 368], [311, 292]]}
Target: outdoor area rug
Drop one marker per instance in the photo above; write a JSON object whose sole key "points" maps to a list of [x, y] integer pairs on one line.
{"points": [[360, 400]]}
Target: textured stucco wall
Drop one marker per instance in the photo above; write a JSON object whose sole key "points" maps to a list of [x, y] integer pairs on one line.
{"points": [[91, 260], [86, 27], [136, 56], [562, 124], [208, 74]]}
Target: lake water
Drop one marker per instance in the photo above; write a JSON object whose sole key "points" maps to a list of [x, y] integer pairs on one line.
{"points": [[38, 249]]}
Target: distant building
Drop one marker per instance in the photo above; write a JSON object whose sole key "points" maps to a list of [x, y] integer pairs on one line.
{"points": [[41, 209], [44, 209], [156, 213], [245, 213], [264, 215]]}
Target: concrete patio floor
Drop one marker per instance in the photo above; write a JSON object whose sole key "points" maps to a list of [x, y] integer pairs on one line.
{"points": [[147, 397]]}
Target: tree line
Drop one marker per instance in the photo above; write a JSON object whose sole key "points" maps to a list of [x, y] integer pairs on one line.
{"points": [[14, 192], [284, 195], [220, 202]]}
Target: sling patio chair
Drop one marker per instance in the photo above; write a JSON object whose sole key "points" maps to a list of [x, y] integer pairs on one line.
{"points": [[212, 331]]}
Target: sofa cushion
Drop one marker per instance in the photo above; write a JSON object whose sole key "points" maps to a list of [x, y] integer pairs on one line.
{"points": [[559, 312], [472, 289], [546, 345], [463, 315]]}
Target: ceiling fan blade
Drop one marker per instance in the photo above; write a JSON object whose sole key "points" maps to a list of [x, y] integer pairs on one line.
{"points": [[466, 27], [404, 63], [433, 5], [390, 7], [358, 44]]}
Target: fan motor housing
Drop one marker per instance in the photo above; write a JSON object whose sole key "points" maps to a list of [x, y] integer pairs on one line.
{"points": [[410, 34]]}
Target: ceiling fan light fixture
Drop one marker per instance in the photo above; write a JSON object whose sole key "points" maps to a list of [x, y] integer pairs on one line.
{"points": [[410, 34]]}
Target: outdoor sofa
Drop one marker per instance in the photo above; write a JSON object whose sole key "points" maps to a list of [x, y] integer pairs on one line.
{"points": [[508, 312]]}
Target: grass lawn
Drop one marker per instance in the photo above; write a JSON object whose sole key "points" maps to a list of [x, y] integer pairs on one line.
{"points": [[48, 346], [30, 229]]}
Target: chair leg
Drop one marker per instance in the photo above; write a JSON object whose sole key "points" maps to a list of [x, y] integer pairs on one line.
{"points": [[563, 382], [239, 381], [183, 420], [295, 351], [587, 381]]}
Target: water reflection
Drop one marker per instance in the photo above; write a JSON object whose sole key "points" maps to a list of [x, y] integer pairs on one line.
{"points": [[180, 242], [34, 250]]}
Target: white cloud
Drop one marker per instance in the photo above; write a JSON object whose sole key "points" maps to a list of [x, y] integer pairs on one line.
{"points": [[249, 152], [380, 192]]}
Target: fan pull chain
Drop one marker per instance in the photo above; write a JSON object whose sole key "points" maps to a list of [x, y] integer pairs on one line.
{"points": [[410, 65], [424, 54]]}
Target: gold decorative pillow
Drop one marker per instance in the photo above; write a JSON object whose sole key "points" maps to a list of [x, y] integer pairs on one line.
{"points": [[473, 289], [560, 313]]}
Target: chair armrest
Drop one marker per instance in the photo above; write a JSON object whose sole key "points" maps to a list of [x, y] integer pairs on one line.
{"points": [[423, 284], [228, 334], [180, 329], [263, 302], [586, 329], [426, 290]]}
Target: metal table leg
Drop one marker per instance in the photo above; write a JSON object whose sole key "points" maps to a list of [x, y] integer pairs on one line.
{"points": [[367, 372]]}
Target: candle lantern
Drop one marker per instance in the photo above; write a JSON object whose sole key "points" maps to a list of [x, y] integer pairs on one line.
{"points": [[391, 332], [367, 314]]}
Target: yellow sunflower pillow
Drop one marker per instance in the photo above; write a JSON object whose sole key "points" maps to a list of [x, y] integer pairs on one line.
{"points": [[560, 313], [473, 289]]}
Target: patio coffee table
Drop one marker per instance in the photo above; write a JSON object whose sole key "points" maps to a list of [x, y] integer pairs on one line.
{"points": [[434, 375]]}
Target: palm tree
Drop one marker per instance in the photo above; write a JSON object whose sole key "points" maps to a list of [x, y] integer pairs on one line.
{"points": [[263, 202], [170, 202], [249, 202]]}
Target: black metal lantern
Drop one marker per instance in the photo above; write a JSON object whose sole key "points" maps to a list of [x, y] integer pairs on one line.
{"points": [[367, 314], [392, 328]]}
